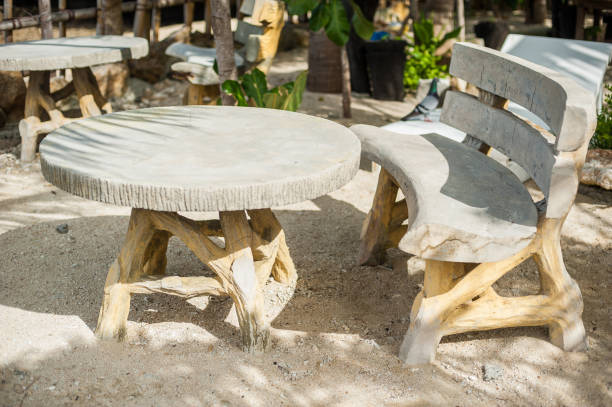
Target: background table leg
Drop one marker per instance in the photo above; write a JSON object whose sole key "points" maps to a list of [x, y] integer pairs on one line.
{"points": [[90, 97], [37, 98]]}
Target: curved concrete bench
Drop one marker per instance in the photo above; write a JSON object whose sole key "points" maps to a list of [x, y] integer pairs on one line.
{"points": [[466, 207], [469, 217]]}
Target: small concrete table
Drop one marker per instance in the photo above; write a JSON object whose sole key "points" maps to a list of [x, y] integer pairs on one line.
{"points": [[200, 158], [78, 54]]}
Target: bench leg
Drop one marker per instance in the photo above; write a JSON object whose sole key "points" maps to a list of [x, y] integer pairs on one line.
{"points": [[253, 251], [454, 302], [565, 328], [377, 224]]}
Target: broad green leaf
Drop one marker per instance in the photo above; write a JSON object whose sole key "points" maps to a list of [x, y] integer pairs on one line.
{"points": [[255, 86], [319, 17], [338, 28], [299, 7], [233, 88], [216, 67], [424, 31], [449, 35], [363, 27], [275, 89], [294, 100], [288, 86], [274, 100]]}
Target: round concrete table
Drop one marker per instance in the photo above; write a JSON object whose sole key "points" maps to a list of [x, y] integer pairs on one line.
{"points": [[234, 160], [78, 54]]}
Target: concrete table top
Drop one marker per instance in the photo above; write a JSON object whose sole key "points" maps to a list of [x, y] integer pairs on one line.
{"points": [[66, 53], [200, 158]]}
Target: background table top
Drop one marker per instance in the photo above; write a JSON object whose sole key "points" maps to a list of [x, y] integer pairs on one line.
{"points": [[200, 158], [77, 52]]}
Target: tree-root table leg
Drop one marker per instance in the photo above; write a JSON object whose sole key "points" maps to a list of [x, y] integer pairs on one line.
{"points": [[455, 299], [253, 251], [201, 94], [88, 92], [38, 97]]}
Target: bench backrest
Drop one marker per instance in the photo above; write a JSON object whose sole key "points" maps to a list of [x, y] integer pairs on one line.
{"points": [[552, 159], [585, 62]]}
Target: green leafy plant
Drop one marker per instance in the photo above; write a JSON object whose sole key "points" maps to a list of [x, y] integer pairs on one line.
{"points": [[330, 15], [251, 89], [603, 133], [423, 63], [424, 34]]}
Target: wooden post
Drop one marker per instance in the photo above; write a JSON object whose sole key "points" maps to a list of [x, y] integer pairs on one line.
{"points": [[155, 20], [46, 25], [142, 19], [99, 17], [8, 13], [208, 18], [188, 14]]}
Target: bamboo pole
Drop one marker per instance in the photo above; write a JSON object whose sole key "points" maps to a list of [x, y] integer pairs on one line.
{"points": [[46, 23], [62, 25], [59, 16], [8, 14], [9, 24]]}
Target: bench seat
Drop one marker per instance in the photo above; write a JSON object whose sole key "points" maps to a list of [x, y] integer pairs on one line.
{"points": [[463, 206], [198, 55]]}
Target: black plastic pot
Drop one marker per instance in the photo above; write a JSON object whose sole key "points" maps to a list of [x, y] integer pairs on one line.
{"points": [[358, 65], [563, 19], [386, 60]]}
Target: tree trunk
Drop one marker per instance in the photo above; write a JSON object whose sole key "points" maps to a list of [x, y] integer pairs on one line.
{"points": [[224, 44], [346, 84], [324, 64], [46, 25], [441, 12], [355, 46], [461, 19], [112, 17], [535, 11]]}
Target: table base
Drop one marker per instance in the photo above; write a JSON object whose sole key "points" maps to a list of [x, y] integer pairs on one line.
{"points": [[254, 250], [39, 97]]}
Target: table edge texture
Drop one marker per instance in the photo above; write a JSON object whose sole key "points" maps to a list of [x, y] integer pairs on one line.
{"points": [[200, 199]]}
